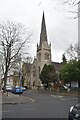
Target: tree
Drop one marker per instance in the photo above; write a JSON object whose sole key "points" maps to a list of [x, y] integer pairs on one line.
{"points": [[73, 3], [72, 52], [64, 58], [70, 72], [48, 74], [70, 6], [13, 37]]}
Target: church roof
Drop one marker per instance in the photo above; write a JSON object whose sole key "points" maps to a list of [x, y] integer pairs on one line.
{"points": [[28, 67], [57, 66]]}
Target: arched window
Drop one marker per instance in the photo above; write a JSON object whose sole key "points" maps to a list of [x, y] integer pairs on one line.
{"points": [[33, 83], [46, 56]]}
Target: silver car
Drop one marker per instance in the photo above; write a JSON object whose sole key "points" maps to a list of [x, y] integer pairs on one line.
{"points": [[74, 112]]}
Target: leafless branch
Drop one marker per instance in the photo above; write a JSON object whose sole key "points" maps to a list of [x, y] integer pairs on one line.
{"points": [[13, 37]]}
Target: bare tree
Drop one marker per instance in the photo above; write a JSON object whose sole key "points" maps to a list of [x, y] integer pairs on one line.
{"points": [[72, 52], [70, 6], [74, 4], [71, 2], [13, 37]]}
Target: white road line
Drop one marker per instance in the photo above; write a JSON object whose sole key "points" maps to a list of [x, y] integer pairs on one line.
{"points": [[64, 98], [69, 99], [57, 96]]}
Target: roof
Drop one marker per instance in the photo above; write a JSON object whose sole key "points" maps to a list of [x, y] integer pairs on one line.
{"points": [[57, 66], [28, 67]]}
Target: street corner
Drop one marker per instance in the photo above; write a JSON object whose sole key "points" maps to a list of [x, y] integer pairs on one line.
{"points": [[25, 99], [16, 99], [31, 99]]}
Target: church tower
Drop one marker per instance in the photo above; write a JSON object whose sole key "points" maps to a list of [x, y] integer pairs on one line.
{"points": [[43, 49]]}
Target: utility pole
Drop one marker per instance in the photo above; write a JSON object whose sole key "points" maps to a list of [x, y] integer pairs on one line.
{"points": [[79, 34], [79, 43]]}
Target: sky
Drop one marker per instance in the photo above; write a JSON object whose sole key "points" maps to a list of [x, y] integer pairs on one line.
{"points": [[62, 30]]}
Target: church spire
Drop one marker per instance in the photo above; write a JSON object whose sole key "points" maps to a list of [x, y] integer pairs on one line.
{"points": [[43, 35]]}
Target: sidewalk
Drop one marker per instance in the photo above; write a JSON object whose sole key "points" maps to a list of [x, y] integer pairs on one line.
{"points": [[70, 94], [15, 99]]}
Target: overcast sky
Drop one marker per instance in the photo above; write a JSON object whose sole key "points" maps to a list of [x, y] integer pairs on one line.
{"points": [[61, 29]]}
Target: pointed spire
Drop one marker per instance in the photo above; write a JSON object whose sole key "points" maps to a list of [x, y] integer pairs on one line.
{"points": [[43, 26], [43, 35]]}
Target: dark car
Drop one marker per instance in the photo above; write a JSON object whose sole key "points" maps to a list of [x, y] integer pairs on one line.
{"points": [[17, 90], [74, 112]]}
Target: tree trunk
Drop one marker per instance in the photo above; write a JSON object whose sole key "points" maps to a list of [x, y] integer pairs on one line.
{"points": [[70, 84], [5, 81]]}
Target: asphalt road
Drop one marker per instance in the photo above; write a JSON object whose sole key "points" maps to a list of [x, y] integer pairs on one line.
{"points": [[43, 106]]}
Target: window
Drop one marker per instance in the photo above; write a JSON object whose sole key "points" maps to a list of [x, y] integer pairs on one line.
{"points": [[46, 56]]}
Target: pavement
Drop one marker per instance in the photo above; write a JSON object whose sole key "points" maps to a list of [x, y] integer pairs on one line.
{"points": [[64, 93], [15, 98]]}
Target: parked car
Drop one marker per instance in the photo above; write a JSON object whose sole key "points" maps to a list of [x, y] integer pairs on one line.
{"points": [[74, 112], [8, 88], [63, 87], [23, 88], [17, 90]]}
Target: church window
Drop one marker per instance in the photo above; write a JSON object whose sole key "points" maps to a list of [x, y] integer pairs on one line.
{"points": [[46, 56], [33, 83]]}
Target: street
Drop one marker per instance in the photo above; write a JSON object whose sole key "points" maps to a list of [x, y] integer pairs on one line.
{"points": [[43, 106]]}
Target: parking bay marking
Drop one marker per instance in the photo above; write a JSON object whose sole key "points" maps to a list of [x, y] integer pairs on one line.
{"points": [[57, 96], [64, 98], [69, 99]]}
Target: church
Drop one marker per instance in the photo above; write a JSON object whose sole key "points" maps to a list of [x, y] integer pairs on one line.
{"points": [[43, 56]]}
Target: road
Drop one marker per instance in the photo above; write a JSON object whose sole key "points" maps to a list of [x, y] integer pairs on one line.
{"points": [[43, 106]]}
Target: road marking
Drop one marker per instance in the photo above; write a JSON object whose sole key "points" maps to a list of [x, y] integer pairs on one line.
{"points": [[69, 99], [64, 98], [57, 96]]}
